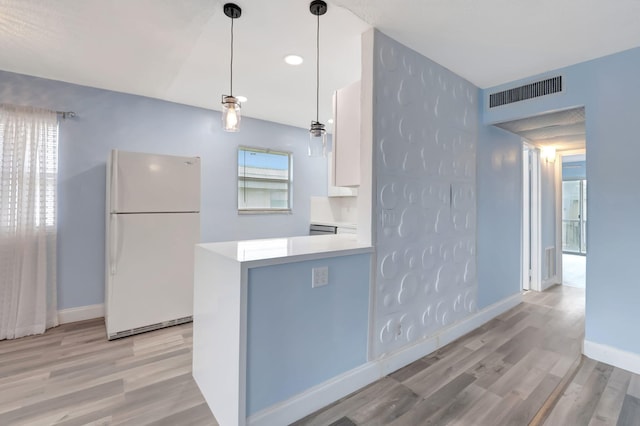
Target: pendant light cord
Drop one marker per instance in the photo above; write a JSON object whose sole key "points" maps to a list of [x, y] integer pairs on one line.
{"points": [[231, 62], [318, 69]]}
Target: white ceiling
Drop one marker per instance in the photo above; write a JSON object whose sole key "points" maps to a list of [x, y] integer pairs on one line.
{"points": [[179, 50], [490, 42]]}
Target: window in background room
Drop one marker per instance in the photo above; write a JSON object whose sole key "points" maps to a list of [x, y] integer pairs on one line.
{"points": [[574, 216], [264, 181]]}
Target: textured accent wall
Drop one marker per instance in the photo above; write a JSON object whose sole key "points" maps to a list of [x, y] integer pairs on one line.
{"points": [[425, 130]]}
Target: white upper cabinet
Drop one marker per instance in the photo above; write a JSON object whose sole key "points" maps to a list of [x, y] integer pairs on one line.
{"points": [[338, 191], [346, 136]]}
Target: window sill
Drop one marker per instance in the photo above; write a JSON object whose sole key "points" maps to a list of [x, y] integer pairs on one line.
{"points": [[257, 211]]}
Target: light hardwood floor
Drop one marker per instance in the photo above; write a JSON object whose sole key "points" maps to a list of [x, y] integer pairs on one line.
{"points": [[500, 374], [72, 375], [599, 395]]}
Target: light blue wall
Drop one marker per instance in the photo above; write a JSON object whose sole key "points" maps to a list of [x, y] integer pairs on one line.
{"points": [[300, 336], [609, 88], [108, 120], [499, 177]]}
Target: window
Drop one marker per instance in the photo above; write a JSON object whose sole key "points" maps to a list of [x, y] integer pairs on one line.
{"points": [[39, 162], [264, 181]]}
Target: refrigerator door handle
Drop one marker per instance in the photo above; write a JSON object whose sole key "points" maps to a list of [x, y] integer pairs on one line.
{"points": [[114, 181], [113, 245]]}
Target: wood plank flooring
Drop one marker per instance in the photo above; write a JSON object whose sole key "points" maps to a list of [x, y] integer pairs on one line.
{"points": [[72, 375], [599, 395], [499, 374]]}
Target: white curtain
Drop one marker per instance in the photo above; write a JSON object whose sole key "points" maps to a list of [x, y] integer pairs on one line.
{"points": [[28, 178]]}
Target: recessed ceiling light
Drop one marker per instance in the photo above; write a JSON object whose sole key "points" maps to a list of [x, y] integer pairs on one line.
{"points": [[293, 59], [241, 98], [330, 121]]}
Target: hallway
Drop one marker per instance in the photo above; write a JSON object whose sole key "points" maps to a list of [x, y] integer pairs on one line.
{"points": [[574, 270]]}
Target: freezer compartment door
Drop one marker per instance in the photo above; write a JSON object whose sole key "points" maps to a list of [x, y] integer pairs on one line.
{"points": [[150, 269], [151, 183]]}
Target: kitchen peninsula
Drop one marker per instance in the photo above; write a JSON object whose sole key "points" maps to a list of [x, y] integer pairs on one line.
{"points": [[276, 317]]}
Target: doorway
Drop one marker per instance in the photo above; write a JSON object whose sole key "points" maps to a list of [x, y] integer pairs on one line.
{"points": [[555, 133]]}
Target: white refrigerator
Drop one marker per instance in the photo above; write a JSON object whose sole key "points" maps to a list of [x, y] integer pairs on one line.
{"points": [[152, 226]]}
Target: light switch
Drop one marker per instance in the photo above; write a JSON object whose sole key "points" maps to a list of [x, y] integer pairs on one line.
{"points": [[319, 276]]}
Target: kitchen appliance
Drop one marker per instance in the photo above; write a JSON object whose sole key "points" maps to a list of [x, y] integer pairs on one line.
{"points": [[329, 229], [152, 225], [317, 229]]}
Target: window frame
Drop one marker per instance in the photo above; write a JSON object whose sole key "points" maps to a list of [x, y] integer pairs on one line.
{"points": [[289, 181]]}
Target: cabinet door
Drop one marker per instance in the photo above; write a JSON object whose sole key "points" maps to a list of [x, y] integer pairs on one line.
{"points": [[346, 136], [338, 191]]}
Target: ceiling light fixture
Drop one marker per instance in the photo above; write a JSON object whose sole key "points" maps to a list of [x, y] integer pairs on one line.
{"points": [[231, 105], [293, 59], [548, 153], [317, 132]]}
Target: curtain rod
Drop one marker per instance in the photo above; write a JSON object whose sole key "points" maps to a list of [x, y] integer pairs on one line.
{"points": [[66, 114]]}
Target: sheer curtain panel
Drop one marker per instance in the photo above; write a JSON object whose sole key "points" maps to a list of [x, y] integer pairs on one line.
{"points": [[28, 178]]}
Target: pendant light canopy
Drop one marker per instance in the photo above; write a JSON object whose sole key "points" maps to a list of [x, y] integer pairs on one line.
{"points": [[317, 132], [231, 105]]}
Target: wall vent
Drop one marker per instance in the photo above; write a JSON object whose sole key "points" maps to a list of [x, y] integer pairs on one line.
{"points": [[550, 260], [528, 91], [151, 327]]}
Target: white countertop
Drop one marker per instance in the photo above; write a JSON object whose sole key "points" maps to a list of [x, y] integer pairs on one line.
{"points": [[292, 247]]}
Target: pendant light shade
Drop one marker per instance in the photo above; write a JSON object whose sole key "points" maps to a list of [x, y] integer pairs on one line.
{"points": [[317, 132], [230, 105], [230, 114], [317, 140]]}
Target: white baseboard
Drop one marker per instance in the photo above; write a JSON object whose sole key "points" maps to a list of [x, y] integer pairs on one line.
{"points": [[550, 282], [313, 399], [340, 386], [405, 356], [613, 356], [478, 319], [80, 313]]}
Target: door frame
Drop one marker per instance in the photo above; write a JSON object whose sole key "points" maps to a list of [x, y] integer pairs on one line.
{"points": [[558, 209], [531, 238]]}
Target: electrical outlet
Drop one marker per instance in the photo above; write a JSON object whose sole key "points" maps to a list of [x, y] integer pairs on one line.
{"points": [[319, 276]]}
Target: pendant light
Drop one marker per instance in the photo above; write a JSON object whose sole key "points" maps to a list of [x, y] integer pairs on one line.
{"points": [[317, 132], [231, 105]]}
